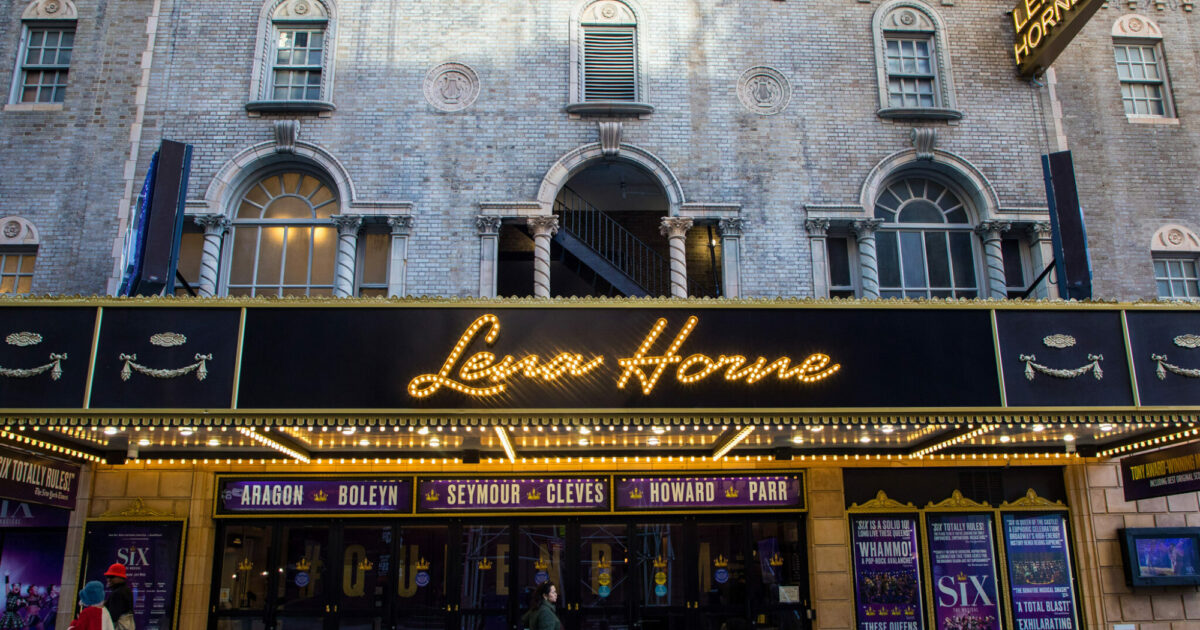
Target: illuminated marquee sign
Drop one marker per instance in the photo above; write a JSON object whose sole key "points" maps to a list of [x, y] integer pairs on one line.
{"points": [[494, 376], [513, 495], [1044, 28]]}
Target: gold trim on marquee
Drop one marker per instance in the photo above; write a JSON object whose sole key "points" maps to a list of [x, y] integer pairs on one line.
{"points": [[138, 509], [957, 502], [1031, 500], [882, 503]]}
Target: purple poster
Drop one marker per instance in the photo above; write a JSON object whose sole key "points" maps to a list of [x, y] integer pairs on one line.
{"points": [[962, 559], [265, 496], [501, 495], [713, 493], [19, 514], [31, 563], [38, 479], [151, 552], [1039, 571], [887, 572]]}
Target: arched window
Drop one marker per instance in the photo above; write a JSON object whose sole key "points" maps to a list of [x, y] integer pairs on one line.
{"points": [[925, 246], [283, 241], [294, 69], [44, 57], [606, 75], [912, 60]]}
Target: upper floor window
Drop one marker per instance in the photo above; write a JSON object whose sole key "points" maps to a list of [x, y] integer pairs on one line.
{"points": [[283, 241], [1141, 68], [912, 62], [1176, 253], [294, 72], [18, 254], [606, 67], [925, 246], [44, 59]]}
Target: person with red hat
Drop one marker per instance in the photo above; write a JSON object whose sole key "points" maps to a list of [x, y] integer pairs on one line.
{"points": [[119, 603]]}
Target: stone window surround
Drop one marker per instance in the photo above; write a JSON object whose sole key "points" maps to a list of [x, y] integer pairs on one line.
{"points": [[893, 19], [18, 237], [1135, 29], [261, 98], [577, 106], [39, 13], [1173, 241]]}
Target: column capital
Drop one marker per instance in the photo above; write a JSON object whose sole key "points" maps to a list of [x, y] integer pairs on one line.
{"points": [[817, 228], [1038, 231], [212, 223], [865, 228], [347, 224], [992, 229], [401, 224], [675, 227], [543, 224], [732, 226], [487, 224]]}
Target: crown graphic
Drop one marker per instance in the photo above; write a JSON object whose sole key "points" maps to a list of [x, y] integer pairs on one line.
{"points": [[909, 611], [432, 495], [635, 494], [303, 564], [245, 565], [320, 496], [775, 560], [870, 612], [962, 577], [660, 562], [365, 565], [720, 562], [534, 495], [603, 564], [485, 565], [422, 565], [731, 492], [542, 564]]}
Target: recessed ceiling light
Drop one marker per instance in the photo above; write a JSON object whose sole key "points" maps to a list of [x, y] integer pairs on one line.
{"points": [[435, 442], [652, 441], [583, 442], [584, 431], [864, 439], [1068, 438], [214, 442], [887, 428], [1106, 427], [144, 442], [815, 428], [796, 439], [658, 430], [1038, 428], [364, 442], [110, 430], [186, 431], [1005, 438], [423, 431], [348, 430]]}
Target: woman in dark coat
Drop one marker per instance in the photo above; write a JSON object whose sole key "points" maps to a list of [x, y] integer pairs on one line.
{"points": [[541, 608]]}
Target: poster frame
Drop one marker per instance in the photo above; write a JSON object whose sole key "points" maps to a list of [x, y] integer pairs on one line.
{"points": [[883, 505], [140, 515], [1032, 503], [958, 504]]}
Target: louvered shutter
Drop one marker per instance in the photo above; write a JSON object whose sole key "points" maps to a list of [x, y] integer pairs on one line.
{"points": [[609, 64]]}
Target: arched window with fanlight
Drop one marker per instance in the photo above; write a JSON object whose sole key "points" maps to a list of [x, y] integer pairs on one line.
{"points": [[283, 241], [925, 245]]}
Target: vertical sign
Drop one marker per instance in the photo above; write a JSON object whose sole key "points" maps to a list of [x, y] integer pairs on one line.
{"points": [[152, 554], [1039, 571], [887, 572], [962, 562]]}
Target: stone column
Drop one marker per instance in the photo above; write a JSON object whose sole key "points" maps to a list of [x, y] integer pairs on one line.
{"points": [[993, 256], [543, 228], [818, 229], [215, 226], [676, 229], [347, 227], [489, 251], [731, 256], [398, 257], [864, 234], [1041, 253]]}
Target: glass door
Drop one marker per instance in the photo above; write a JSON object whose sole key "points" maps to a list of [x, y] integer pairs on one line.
{"points": [[604, 580], [302, 600], [366, 576], [662, 575], [423, 575], [721, 574], [243, 578], [485, 577], [777, 575]]}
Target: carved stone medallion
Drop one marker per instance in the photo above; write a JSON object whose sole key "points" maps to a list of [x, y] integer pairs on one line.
{"points": [[451, 87], [764, 90], [12, 229]]}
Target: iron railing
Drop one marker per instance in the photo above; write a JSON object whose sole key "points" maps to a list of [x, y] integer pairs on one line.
{"points": [[608, 238]]}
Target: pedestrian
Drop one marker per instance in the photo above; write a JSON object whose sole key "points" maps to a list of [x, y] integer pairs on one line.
{"points": [[120, 598], [93, 615], [541, 608]]}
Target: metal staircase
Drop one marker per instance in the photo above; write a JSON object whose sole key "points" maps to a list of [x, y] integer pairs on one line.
{"points": [[598, 241]]}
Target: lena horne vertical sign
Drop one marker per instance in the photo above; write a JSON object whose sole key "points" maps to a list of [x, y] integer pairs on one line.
{"points": [[887, 572], [962, 561], [151, 552], [1039, 571]]}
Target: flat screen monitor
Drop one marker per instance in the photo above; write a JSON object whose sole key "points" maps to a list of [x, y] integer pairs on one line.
{"points": [[1161, 556]]}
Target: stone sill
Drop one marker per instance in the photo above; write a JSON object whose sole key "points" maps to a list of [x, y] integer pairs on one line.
{"points": [[920, 113], [266, 107], [610, 108], [33, 107], [1151, 120]]}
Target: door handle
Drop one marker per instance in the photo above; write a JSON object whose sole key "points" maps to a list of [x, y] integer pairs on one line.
{"points": [[326, 607]]}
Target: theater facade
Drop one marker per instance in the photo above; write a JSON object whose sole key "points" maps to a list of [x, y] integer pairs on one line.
{"points": [[375, 464]]}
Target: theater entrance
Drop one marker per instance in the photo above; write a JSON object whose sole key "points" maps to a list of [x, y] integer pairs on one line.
{"points": [[478, 574]]}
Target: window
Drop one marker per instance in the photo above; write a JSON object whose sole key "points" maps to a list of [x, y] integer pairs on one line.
{"points": [[1014, 254], [912, 62], [605, 65], [841, 264], [283, 241], [374, 249], [925, 247], [1176, 278], [16, 271], [294, 73], [44, 58], [1141, 68]]}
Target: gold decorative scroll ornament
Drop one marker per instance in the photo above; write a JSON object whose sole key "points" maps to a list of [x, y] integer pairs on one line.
{"points": [[956, 502], [25, 339], [882, 502]]}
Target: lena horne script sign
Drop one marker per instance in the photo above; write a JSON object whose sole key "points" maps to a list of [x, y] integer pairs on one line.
{"points": [[482, 374]]}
